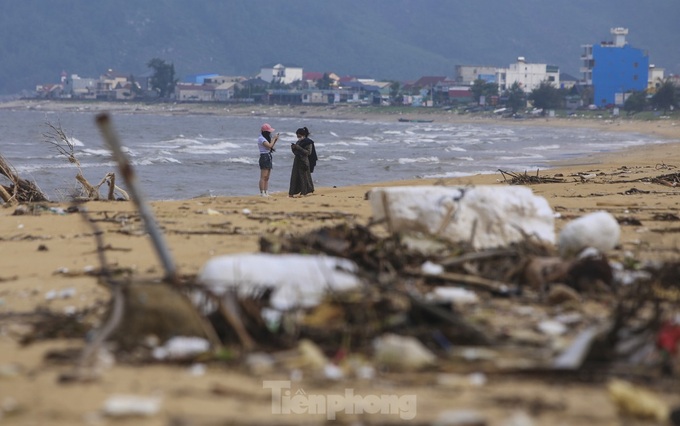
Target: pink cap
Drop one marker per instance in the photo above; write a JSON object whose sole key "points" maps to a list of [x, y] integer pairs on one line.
{"points": [[267, 128]]}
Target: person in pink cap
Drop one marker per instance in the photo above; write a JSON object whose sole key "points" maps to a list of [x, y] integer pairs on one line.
{"points": [[265, 144]]}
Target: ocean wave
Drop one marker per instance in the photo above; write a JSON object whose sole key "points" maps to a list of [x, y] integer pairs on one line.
{"points": [[410, 160]]}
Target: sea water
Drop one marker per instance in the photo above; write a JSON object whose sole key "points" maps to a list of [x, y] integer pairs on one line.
{"points": [[186, 156]]}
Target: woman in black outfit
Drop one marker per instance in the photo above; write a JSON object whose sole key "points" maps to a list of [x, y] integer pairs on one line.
{"points": [[303, 165]]}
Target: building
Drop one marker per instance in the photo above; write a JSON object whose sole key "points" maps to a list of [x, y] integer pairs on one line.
{"points": [[465, 75], [188, 92], [528, 75], [655, 78], [614, 68], [78, 87], [281, 73]]}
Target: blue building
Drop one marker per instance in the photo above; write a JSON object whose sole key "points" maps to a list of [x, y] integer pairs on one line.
{"points": [[615, 69]]}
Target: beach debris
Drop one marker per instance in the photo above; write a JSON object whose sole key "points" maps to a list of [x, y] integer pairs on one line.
{"points": [[461, 417], [483, 216], [401, 353], [123, 405], [598, 230], [58, 138], [636, 401], [455, 295], [181, 348], [153, 308], [672, 179], [526, 179], [294, 280], [19, 190]]}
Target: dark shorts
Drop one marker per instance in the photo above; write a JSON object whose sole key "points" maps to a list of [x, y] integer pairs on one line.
{"points": [[265, 161]]}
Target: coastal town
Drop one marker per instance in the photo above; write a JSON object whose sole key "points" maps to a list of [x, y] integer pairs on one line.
{"points": [[615, 76]]}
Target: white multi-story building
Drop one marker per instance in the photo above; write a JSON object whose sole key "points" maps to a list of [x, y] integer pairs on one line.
{"points": [[529, 76], [655, 78], [285, 74]]}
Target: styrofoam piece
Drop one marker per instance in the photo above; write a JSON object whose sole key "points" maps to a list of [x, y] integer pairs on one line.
{"points": [[598, 230], [485, 216], [296, 280]]}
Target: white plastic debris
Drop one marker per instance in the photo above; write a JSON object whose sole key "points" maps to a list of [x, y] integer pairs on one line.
{"points": [[552, 328], [460, 417], [485, 216], [131, 405], [455, 295], [181, 347], [401, 352], [431, 268], [598, 230], [295, 280]]}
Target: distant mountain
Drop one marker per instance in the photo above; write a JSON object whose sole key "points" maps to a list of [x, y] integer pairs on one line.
{"points": [[385, 39]]}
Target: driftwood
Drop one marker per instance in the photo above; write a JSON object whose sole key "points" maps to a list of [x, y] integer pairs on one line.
{"points": [[526, 179], [20, 190], [93, 191], [58, 138]]}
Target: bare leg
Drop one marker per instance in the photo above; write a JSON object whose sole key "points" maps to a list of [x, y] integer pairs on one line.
{"points": [[264, 179]]}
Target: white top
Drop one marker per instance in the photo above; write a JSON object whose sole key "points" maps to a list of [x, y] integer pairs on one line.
{"points": [[260, 144]]}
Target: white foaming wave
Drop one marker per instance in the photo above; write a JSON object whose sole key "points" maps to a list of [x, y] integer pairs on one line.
{"points": [[157, 160], [469, 141], [466, 158], [76, 141], [342, 151], [241, 160], [96, 152], [217, 148], [418, 160], [104, 152], [182, 141], [521, 157], [457, 174], [392, 132], [334, 134], [336, 158], [455, 148], [607, 145], [362, 138], [544, 147], [29, 168]]}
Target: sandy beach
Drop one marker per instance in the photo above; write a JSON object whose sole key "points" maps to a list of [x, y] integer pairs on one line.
{"points": [[45, 258]]}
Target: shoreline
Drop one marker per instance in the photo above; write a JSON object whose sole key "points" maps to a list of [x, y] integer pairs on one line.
{"points": [[667, 128]]}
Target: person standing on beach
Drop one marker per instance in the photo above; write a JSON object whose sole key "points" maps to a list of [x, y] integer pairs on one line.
{"points": [[266, 146], [303, 164]]}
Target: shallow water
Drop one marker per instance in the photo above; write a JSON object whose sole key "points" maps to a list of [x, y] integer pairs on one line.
{"points": [[184, 156]]}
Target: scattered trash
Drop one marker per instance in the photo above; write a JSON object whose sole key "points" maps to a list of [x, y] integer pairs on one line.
{"points": [[598, 230], [483, 216], [455, 295], [294, 280], [460, 418], [637, 402], [401, 353], [181, 348], [131, 406]]}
